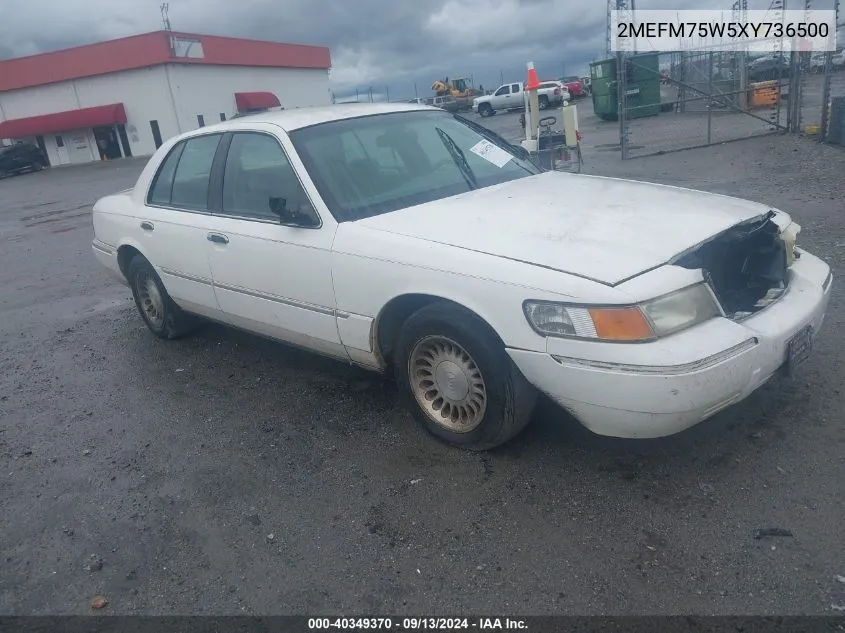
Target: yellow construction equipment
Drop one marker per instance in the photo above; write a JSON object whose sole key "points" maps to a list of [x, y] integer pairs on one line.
{"points": [[459, 87]]}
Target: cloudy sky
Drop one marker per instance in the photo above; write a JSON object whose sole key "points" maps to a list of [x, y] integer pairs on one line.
{"points": [[378, 43]]}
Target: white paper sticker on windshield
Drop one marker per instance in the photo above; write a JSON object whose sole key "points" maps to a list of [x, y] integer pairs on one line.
{"points": [[491, 153]]}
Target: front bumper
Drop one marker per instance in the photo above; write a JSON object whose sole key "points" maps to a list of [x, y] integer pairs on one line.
{"points": [[632, 390]]}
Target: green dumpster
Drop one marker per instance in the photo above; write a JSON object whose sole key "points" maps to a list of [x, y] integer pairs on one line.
{"points": [[603, 82], [642, 86]]}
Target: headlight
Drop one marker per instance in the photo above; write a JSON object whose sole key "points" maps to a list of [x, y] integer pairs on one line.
{"points": [[639, 323]]}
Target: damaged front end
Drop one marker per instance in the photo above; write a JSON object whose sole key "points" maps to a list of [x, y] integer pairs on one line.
{"points": [[746, 266]]}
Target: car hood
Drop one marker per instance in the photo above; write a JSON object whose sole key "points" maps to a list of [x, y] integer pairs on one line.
{"points": [[604, 229]]}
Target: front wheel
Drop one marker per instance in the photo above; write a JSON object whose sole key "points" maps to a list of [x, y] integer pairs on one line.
{"points": [[543, 102], [161, 314], [485, 110], [458, 381]]}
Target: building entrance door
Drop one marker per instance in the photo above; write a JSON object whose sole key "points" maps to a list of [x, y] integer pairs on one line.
{"points": [[61, 150], [108, 146]]}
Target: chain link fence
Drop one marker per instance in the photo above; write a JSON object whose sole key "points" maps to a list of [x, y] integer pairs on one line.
{"points": [[673, 101], [692, 99], [821, 93]]}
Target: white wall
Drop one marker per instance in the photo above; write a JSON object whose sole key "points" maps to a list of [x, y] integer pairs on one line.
{"points": [[146, 96], [143, 93], [210, 90]]}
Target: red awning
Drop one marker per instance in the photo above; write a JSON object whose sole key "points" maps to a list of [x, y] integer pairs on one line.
{"points": [[256, 101], [63, 121]]}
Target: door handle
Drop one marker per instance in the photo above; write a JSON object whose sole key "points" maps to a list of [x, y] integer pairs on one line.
{"points": [[217, 238], [147, 226]]}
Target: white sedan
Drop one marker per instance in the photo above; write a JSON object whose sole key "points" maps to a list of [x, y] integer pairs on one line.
{"points": [[403, 238]]}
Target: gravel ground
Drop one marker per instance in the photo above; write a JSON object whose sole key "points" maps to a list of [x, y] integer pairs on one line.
{"points": [[222, 474]]}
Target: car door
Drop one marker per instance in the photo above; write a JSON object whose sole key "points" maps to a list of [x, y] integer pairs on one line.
{"points": [[269, 250], [500, 97], [515, 97], [175, 220]]}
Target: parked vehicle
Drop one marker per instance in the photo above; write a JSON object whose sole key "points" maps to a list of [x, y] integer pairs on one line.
{"points": [[407, 239], [21, 157], [512, 96], [586, 82], [768, 67], [552, 93], [505, 97], [446, 102], [816, 63], [575, 86]]}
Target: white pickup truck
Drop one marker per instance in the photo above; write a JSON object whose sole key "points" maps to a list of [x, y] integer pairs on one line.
{"points": [[511, 97]]}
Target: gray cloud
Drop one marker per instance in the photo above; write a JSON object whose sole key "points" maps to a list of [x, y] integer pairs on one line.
{"points": [[394, 43]]}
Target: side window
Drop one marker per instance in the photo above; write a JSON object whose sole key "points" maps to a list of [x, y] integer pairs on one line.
{"points": [[502, 91], [514, 88], [190, 182], [163, 181], [259, 178]]}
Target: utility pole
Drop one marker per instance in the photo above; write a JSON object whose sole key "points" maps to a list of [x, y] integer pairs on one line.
{"points": [[165, 8], [740, 14], [633, 10]]}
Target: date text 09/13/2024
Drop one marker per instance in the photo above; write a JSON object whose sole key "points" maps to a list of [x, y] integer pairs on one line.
{"points": [[416, 624]]}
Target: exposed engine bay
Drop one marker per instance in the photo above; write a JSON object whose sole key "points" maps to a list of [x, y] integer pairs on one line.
{"points": [[746, 266]]}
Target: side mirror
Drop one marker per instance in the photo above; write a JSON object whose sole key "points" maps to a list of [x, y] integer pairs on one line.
{"points": [[293, 217]]}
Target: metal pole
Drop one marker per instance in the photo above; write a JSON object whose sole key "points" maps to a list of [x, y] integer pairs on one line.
{"points": [[710, 97], [828, 72], [780, 66], [622, 89], [633, 21]]}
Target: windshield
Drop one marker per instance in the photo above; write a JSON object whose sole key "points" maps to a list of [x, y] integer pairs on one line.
{"points": [[371, 165]]}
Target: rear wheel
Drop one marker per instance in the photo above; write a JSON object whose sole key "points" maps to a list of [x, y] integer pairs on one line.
{"points": [[161, 314], [458, 381]]}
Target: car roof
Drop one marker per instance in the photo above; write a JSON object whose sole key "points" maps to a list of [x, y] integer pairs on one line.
{"points": [[297, 118]]}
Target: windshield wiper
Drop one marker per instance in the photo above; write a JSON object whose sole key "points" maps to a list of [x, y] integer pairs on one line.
{"points": [[459, 158]]}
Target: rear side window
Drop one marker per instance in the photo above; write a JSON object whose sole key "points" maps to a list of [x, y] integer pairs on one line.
{"points": [[183, 178], [163, 181]]}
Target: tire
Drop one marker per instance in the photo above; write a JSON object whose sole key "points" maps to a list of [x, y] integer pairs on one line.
{"points": [[37, 166], [161, 314], [485, 110], [543, 102], [494, 400]]}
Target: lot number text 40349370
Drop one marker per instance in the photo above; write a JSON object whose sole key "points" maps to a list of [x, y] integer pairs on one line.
{"points": [[417, 624]]}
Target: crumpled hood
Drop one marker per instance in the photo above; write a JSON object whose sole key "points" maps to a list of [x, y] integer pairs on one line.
{"points": [[604, 229]]}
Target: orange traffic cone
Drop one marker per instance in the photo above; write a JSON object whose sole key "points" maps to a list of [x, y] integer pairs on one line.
{"points": [[533, 82]]}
